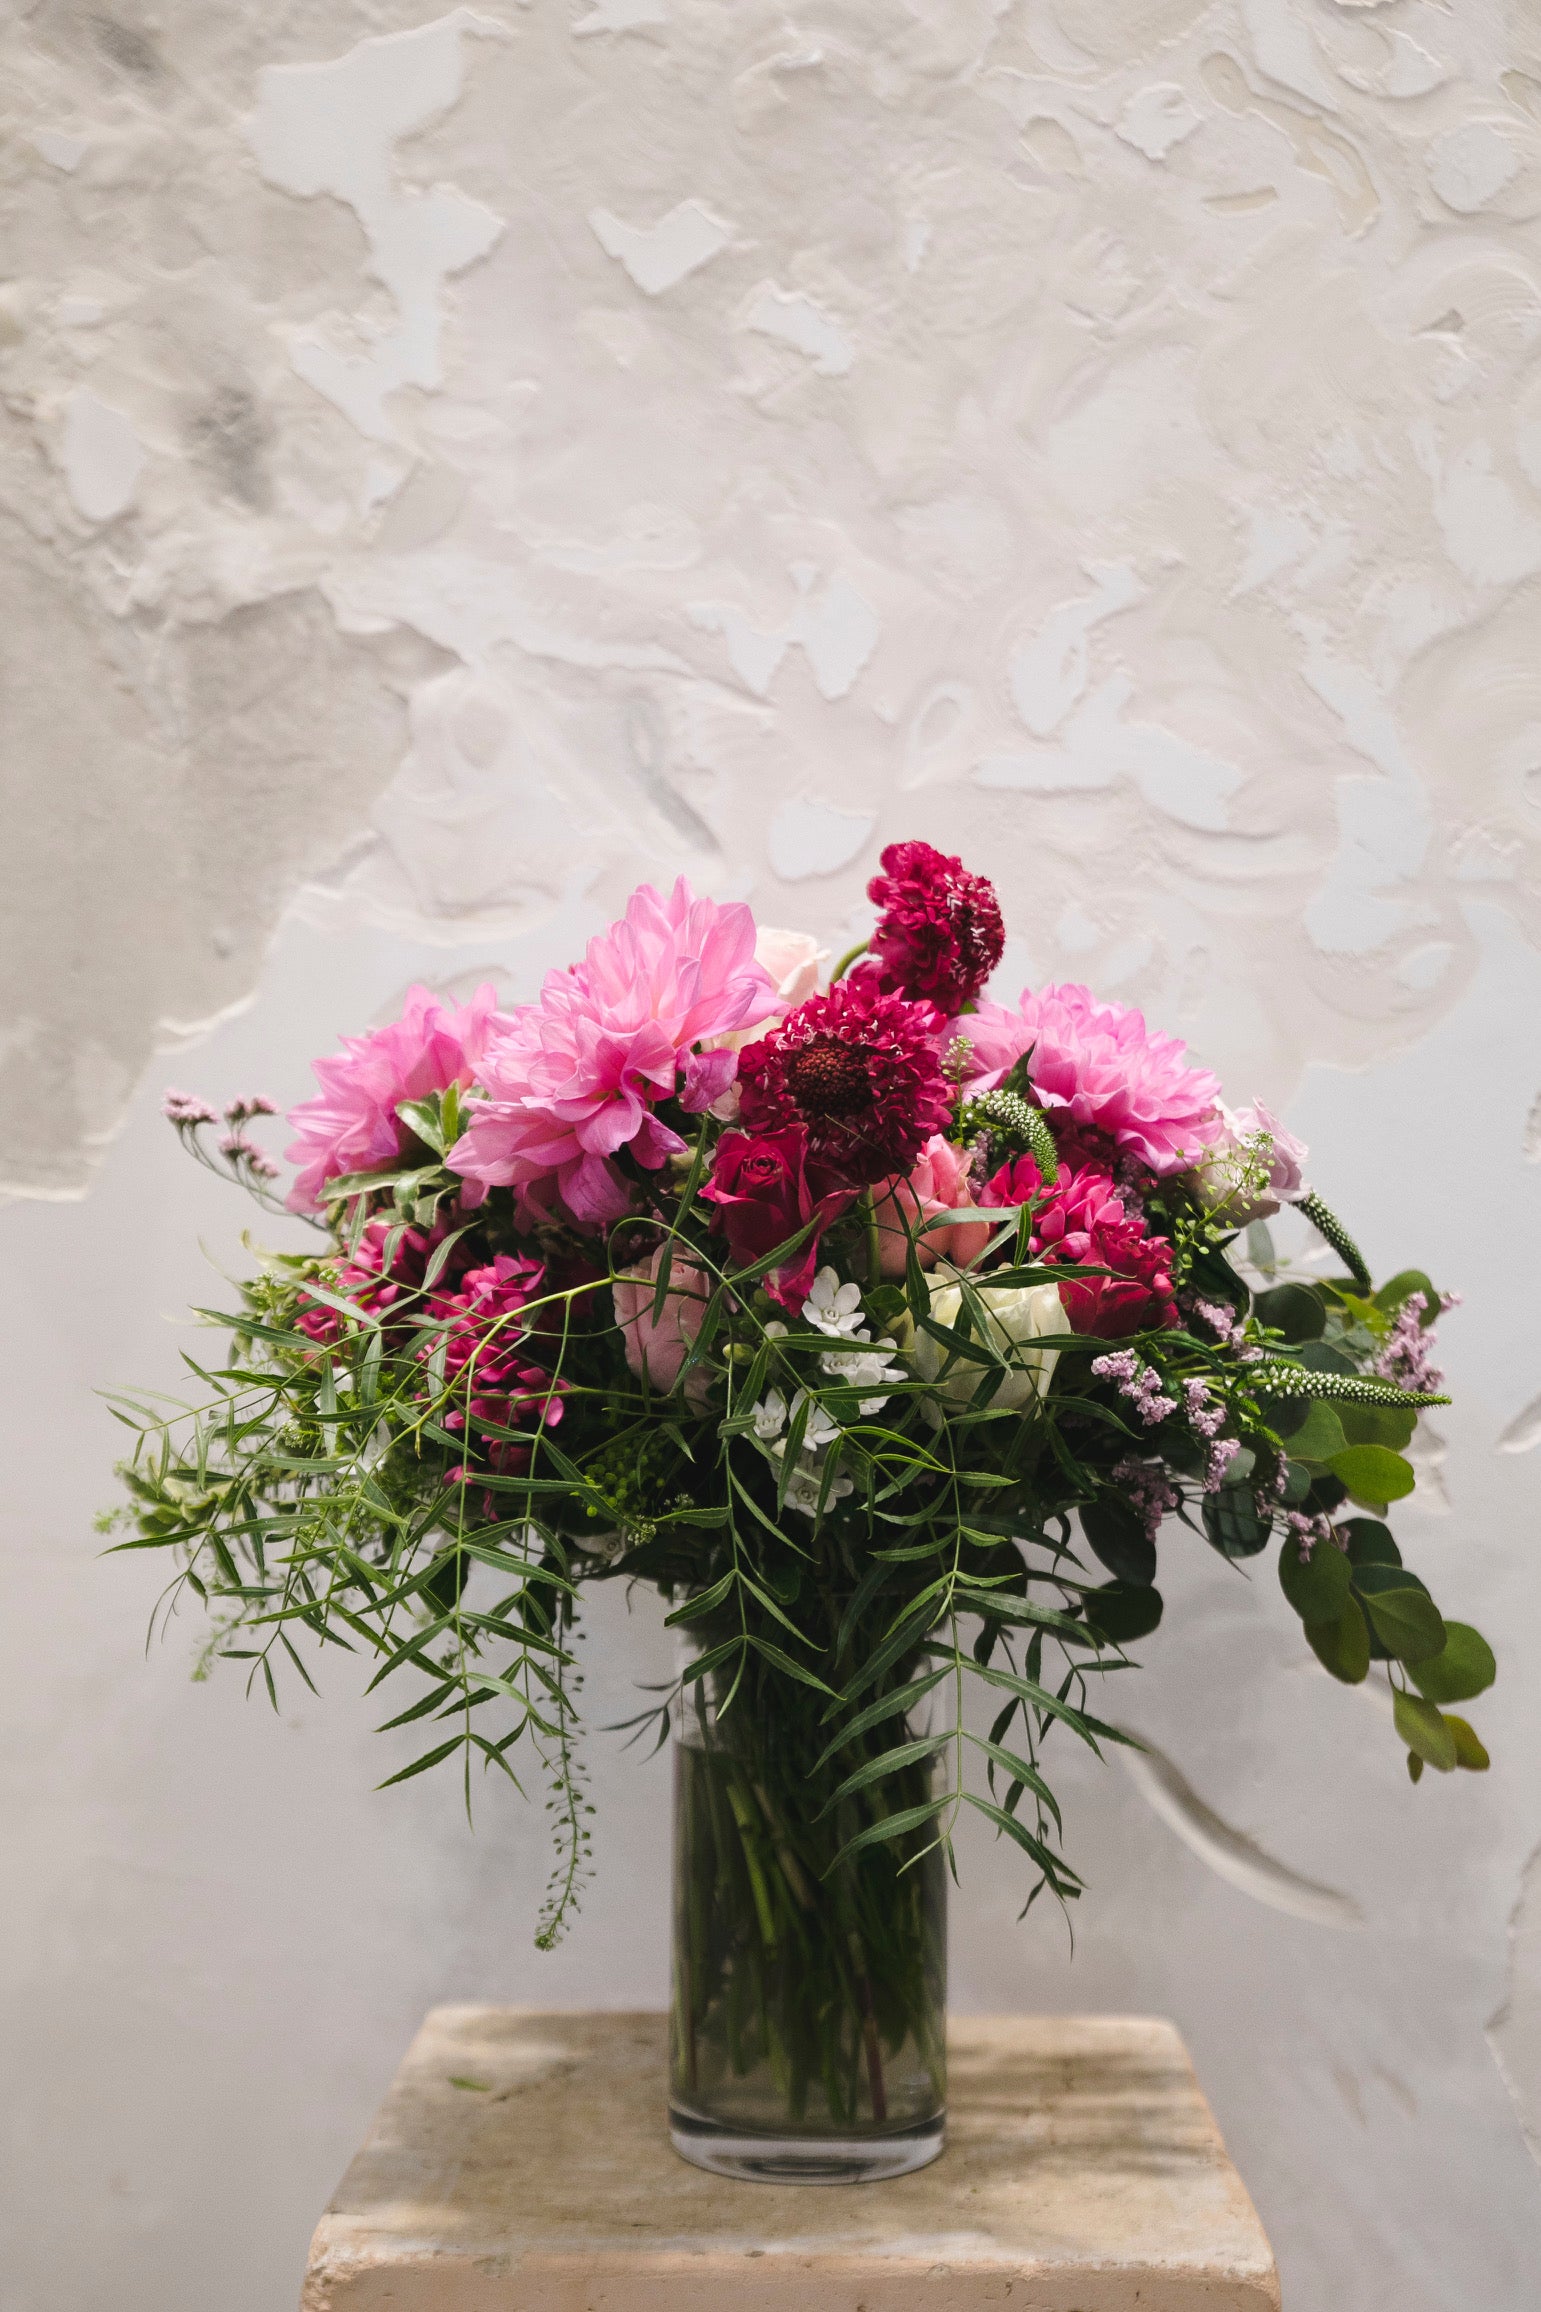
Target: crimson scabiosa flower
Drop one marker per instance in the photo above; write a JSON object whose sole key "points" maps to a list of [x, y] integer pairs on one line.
{"points": [[861, 1070], [940, 934]]}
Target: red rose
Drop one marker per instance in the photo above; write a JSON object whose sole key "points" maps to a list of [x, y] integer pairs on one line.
{"points": [[763, 1196]]}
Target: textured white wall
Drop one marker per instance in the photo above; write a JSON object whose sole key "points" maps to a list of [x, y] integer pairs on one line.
{"points": [[452, 467]]}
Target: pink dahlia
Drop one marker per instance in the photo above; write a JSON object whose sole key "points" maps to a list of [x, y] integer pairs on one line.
{"points": [[576, 1077], [1099, 1065], [860, 1070], [353, 1124], [1083, 1221], [940, 935], [490, 1375]]}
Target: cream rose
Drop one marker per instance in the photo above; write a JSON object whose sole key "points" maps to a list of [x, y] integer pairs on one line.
{"points": [[1019, 1317]]}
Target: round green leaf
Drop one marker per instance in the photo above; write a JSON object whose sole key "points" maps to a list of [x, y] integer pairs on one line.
{"points": [[1373, 1474], [1117, 1533], [1317, 1587], [1234, 1524], [1319, 1358], [1122, 1612], [1469, 1752], [1423, 1729], [1402, 1614], [1465, 1668], [1342, 1646], [1292, 1309], [1297, 1483], [1370, 1542], [1320, 1436], [1401, 1287]]}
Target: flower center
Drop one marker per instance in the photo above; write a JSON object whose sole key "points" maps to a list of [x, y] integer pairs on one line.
{"points": [[829, 1078]]}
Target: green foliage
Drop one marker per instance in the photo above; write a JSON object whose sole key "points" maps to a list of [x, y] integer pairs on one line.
{"points": [[1425, 1731], [1317, 1586], [1294, 1310]]}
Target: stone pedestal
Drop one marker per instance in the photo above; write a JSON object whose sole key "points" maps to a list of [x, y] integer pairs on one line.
{"points": [[520, 2164]]}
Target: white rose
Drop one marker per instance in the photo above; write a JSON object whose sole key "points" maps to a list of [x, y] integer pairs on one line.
{"points": [[1019, 1316]]}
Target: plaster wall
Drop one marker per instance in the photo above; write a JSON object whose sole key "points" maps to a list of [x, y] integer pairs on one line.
{"points": [[453, 467]]}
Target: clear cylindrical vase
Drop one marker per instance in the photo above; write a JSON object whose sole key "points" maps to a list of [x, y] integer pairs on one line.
{"points": [[809, 1959]]}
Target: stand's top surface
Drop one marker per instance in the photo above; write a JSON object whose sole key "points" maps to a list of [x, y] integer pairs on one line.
{"points": [[520, 2163]]}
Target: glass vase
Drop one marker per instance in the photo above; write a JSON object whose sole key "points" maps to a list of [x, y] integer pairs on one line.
{"points": [[807, 2039]]}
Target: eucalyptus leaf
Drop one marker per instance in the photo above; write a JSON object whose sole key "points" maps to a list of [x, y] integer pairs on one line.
{"points": [[1425, 1732], [1342, 1645], [1318, 1586], [1373, 1474], [1463, 1670]]}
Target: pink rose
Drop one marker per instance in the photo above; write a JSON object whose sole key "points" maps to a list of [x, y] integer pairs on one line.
{"points": [[1254, 1166], [792, 959], [938, 1181], [658, 1347]]}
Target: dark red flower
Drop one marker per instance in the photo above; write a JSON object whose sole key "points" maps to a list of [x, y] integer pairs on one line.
{"points": [[941, 934], [763, 1195], [860, 1070], [1083, 1220]]}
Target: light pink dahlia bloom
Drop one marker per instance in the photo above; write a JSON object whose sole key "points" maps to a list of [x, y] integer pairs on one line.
{"points": [[352, 1125], [1101, 1065], [576, 1076]]}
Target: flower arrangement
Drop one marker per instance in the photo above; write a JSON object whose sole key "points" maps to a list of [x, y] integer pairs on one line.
{"points": [[885, 1330]]}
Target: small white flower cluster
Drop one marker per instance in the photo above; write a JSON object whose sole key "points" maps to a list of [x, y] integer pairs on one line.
{"points": [[834, 1309]]}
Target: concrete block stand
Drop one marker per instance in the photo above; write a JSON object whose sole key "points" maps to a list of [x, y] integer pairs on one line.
{"points": [[519, 2164]]}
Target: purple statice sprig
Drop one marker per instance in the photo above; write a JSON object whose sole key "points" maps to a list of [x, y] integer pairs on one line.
{"points": [[1148, 1489], [234, 1155], [1406, 1357], [1139, 1382], [1206, 1418]]}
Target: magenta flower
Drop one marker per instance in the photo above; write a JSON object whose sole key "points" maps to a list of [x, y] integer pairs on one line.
{"points": [[384, 1275], [940, 934], [489, 1372], [860, 1070], [1084, 1222], [353, 1125], [576, 1077], [1100, 1065]]}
